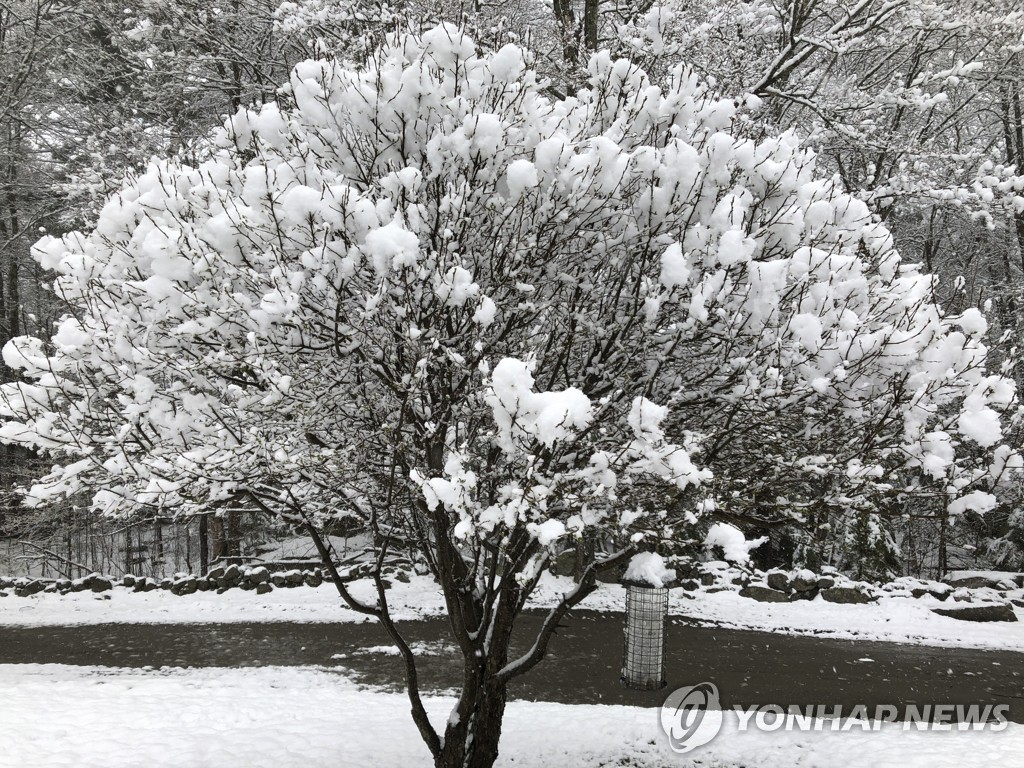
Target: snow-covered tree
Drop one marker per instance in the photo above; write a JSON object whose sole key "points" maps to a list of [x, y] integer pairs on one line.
{"points": [[486, 324]]}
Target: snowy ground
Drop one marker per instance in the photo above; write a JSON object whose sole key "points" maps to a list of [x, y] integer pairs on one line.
{"points": [[55, 715], [90, 717], [897, 619]]}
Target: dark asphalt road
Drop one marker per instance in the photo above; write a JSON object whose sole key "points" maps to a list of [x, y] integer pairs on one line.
{"points": [[582, 666]]}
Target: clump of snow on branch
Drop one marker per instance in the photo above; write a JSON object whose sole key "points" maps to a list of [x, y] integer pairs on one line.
{"points": [[520, 412], [734, 545]]}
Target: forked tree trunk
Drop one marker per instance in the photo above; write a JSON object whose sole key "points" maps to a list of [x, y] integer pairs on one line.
{"points": [[482, 626], [471, 740]]}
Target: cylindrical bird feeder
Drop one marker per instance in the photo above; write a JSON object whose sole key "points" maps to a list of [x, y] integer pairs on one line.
{"points": [[646, 616]]}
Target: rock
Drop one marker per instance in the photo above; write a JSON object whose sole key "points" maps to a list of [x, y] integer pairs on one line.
{"points": [[1018, 602], [32, 588], [222, 590], [295, 578], [936, 589], [99, 583], [603, 576], [278, 580], [707, 579], [166, 583], [690, 585], [804, 581], [231, 577], [128, 580], [687, 571], [146, 584], [263, 588], [258, 575], [740, 581], [986, 612], [401, 576], [216, 573], [779, 580], [764, 594], [564, 564], [972, 582], [719, 588], [846, 595], [314, 579], [981, 581], [826, 582], [186, 586]]}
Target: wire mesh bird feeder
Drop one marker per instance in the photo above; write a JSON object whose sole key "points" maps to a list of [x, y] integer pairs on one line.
{"points": [[643, 666]]}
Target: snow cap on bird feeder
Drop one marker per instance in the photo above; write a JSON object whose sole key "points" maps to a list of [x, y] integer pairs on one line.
{"points": [[647, 580]]}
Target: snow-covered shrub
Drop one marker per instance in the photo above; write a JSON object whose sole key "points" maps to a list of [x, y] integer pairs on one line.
{"points": [[487, 324]]}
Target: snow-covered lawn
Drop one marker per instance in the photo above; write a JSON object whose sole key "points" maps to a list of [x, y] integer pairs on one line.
{"points": [[85, 717], [897, 619]]}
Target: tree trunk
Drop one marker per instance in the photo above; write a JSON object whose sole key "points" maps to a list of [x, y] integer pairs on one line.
{"points": [[942, 564], [227, 537], [590, 14], [204, 544], [158, 548], [233, 533], [566, 18], [471, 741], [217, 537]]}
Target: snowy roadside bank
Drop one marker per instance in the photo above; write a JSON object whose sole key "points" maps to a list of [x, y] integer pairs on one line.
{"points": [[893, 618], [92, 717]]}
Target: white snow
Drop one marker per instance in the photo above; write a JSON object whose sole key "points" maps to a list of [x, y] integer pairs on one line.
{"points": [[649, 568], [894, 618], [392, 247], [645, 419], [674, 268], [735, 547], [521, 175], [485, 312], [95, 717], [518, 410], [547, 532], [456, 287]]}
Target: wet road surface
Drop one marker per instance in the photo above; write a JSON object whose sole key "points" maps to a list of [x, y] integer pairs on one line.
{"points": [[582, 664]]}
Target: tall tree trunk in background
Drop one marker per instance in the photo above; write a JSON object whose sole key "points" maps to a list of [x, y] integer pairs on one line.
{"points": [[225, 529], [158, 547], [204, 544], [942, 562], [590, 17], [233, 537], [219, 550], [1013, 141], [566, 18]]}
